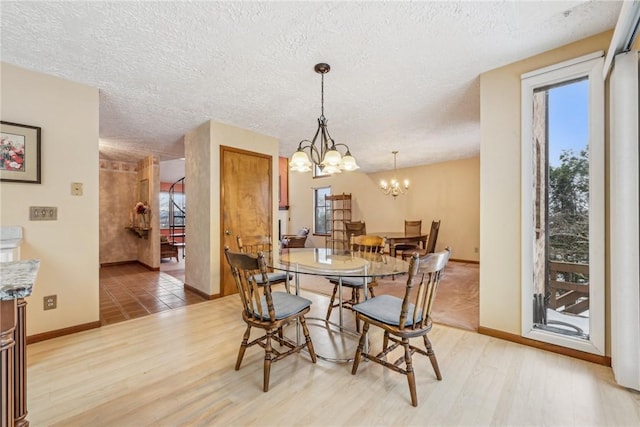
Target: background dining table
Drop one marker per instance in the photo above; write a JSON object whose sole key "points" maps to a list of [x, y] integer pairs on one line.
{"points": [[394, 237]]}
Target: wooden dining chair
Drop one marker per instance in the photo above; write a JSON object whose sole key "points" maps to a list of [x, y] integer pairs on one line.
{"points": [[401, 319], [264, 309], [355, 228], [431, 241], [256, 244], [364, 246], [410, 228]]}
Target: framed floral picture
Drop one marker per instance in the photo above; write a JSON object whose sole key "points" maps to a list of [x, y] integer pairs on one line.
{"points": [[19, 153]]}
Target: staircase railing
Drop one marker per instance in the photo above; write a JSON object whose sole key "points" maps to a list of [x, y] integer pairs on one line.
{"points": [[177, 215]]}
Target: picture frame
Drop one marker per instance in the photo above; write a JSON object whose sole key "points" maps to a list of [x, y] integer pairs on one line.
{"points": [[143, 191], [20, 153]]}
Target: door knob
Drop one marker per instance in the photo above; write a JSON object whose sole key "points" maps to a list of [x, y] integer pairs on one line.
{"points": [[227, 232]]}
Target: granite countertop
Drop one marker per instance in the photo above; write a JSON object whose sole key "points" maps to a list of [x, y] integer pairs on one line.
{"points": [[17, 278]]}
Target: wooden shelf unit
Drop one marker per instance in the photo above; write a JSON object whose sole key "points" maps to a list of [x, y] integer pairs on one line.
{"points": [[339, 211]]}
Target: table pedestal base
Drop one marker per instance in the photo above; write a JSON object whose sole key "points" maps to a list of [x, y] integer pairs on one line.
{"points": [[336, 343]]}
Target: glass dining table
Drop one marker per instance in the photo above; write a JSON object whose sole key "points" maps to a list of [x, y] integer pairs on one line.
{"points": [[336, 264]]}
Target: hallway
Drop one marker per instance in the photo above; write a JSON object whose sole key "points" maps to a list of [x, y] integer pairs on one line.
{"points": [[129, 291]]}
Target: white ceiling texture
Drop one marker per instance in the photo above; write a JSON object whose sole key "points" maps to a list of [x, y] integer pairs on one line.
{"points": [[404, 75]]}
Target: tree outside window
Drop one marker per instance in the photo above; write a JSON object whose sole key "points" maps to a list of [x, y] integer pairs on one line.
{"points": [[569, 208], [321, 211]]}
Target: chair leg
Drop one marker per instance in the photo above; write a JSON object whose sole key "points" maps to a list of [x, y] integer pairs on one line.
{"points": [[243, 347], [267, 362], [363, 337], [355, 297], [333, 298], [432, 357], [385, 341], [410, 374], [307, 338], [280, 335]]}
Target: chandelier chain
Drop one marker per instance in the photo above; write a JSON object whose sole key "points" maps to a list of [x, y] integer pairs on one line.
{"points": [[394, 163], [322, 151], [322, 95]]}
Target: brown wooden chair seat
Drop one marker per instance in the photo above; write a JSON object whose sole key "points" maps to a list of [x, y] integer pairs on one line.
{"points": [[402, 319], [267, 310], [364, 246]]}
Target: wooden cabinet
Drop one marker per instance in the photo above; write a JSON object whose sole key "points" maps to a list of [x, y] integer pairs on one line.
{"points": [[13, 363], [16, 282], [339, 211], [8, 321], [283, 187]]}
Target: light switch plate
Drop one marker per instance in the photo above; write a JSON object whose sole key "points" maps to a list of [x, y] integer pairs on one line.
{"points": [[43, 213], [76, 189]]}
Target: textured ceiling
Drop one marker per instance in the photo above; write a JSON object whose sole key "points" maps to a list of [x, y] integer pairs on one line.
{"points": [[404, 75]]}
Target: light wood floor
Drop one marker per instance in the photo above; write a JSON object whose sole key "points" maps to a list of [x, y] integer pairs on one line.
{"points": [[175, 368]]}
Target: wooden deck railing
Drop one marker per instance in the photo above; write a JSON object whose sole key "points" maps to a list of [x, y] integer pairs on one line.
{"points": [[568, 287]]}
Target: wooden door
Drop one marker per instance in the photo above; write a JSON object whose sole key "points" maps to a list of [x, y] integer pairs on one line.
{"points": [[245, 201]]}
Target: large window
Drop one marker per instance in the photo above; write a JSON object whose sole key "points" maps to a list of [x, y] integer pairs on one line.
{"points": [[321, 211], [563, 204]]}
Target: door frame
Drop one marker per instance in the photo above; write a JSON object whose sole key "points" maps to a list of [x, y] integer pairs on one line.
{"points": [[591, 66], [224, 267]]}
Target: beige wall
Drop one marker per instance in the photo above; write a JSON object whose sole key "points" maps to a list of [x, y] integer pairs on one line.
{"points": [[67, 248], [448, 191], [500, 249], [198, 171], [118, 196], [119, 193], [202, 165], [149, 247]]}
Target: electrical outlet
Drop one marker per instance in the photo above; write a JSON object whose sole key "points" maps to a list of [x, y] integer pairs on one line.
{"points": [[50, 302], [43, 213], [76, 189]]}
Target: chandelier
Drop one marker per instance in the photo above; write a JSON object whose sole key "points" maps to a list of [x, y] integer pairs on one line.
{"points": [[393, 187], [322, 151]]}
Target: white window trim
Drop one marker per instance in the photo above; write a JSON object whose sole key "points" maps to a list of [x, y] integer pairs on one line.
{"points": [[591, 66], [624, 231]]}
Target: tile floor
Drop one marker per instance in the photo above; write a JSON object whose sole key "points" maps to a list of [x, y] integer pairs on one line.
{"points": [[130, 290]]}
